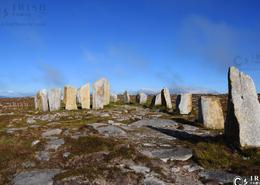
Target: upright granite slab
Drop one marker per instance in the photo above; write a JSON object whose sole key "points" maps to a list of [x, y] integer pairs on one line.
{"points": [[113, 98], [166, 98], [157, 100], [54, 99], [211, 113], [41, 101], [84, 96], [99, 93], [107, 91], [70, 94], [126, 97], [242, 125], [141, 98], [184, 103]]}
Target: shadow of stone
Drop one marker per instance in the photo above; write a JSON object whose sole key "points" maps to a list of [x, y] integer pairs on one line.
{"points": [[192, 138]]}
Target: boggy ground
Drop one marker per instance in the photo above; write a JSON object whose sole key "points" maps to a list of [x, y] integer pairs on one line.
{"points": [[122, 144]]}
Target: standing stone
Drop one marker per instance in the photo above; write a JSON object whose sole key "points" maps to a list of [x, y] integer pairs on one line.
{"points": [[36, 103], [107, 91], [166, 98], [157, 100], [242, 125], [184, 103], [126, 97], [211, 113], [84, 96], [141, 98], [54, 98], [70, 94], [98, 95], [41, 101], [113, 98]]}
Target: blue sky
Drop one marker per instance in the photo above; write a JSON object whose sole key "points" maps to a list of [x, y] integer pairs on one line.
{"points": [[186, 45]]}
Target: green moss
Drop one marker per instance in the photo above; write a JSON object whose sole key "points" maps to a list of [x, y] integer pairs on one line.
{"points": [[90, 144], [219, 156]]}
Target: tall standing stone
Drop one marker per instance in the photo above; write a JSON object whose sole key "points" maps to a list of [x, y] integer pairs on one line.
{"points": [[107, 91], [242, 125], [141, 98], [41, 101], [166, 98], [84, 96], [184, 103], [126, 97], [98, 96], [211, 113], [113, 98], [157, 100], [54, 98], [70, 94]]}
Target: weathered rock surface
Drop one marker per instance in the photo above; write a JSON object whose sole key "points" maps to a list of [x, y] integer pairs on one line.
{"points": [[84, 96], [219, 176], [126, 97], [51, 132], [184, 103], [36, 177], [141, 98], [177, 153], [242, 126], [101, 94], [155, 123], [107, 92], [111, 130], [211, 113], [54, 99], [70, 98], [166, 98], [113, 98], [157, 100], [41, 100]]}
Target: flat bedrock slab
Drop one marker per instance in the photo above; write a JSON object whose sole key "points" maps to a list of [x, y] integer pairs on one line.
{"points": [[35, 177], [51, 132], [221, 177], [155, 123], [177, 153], [111, 130]]}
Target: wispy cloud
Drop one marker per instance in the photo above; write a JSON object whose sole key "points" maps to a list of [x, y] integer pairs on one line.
{"points": [[51, 75], [216, 43]]}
